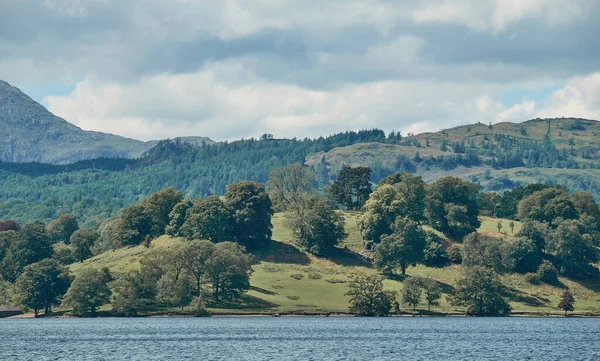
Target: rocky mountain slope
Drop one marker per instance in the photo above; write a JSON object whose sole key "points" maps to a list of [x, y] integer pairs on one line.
{"points": [[32, 134]]}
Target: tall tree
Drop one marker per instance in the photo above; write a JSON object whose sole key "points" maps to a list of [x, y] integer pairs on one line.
{"points": [[290, 185], [432, 292], [573, 249], [30, 244], [480, 291], [352, 187], [412, 291], [251, 211], [367, 297], [452, 206], [316, 226], [403, 248], [209, 219], [82, 242], [228, 269], [42, 285], [61, 229], [196, 255], [548, 205], [177, 218], [88, 291], [482, 250]]}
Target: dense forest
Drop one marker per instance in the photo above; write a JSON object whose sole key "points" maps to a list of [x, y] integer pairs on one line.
{"points": [[100, 188]]}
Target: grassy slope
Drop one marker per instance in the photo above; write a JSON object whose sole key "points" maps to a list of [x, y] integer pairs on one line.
{"points": [[322, 282]]}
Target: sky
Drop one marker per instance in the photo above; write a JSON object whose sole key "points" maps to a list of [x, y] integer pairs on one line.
{"points": [[231, 69]]}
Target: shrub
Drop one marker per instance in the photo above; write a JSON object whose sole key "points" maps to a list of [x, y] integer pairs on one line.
{"points": [[547, 273], [532, 278], [455, 253], [297, 276]]}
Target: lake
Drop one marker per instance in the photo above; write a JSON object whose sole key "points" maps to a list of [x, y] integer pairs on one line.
{"points": [[301, 338]]}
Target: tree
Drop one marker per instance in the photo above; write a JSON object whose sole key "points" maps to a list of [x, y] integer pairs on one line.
{"points": [[251, 211], [567, 302], [290, 185], [82, 242], [403, 248], [175, 291], [489, 203], [316, 226], [521, 255], [432, 292], [352, 187], [88, 291], [573, 249], [42, 285], [434, 253], [480, 291], [5, 291], [398, 196], [228, 269], [499, 226], [482, 250], [196, 255], [452, 206], [63, 253], [512, 227], [208, 219], [177, 218], [548, 205], [31, 244], [412, 292], [61, 229], [367, 297], [540, 233]]}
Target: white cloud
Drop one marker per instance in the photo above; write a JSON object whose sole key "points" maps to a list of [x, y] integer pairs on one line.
{"points": [[498, 15], [580, 97]]}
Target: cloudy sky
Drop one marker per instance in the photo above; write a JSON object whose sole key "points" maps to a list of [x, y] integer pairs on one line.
{"points": [[229, 69]]}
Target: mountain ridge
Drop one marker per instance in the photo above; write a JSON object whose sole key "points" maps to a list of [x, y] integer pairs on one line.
{"points": [[33, 134]]}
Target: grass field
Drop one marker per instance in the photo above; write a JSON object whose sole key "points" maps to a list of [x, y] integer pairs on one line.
{"points": [[287, 280]]}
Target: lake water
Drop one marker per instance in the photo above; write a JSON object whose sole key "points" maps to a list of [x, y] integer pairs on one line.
{"points": [[295, 338]]}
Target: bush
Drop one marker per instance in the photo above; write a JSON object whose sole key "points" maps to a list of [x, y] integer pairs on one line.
{"points": [[532, 278], [547, 273], [455, 253], [198, 307], [434, 254]]}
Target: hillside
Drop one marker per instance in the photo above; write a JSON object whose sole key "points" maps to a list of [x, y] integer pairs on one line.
{"points": [[288, 280], [498, 157]]}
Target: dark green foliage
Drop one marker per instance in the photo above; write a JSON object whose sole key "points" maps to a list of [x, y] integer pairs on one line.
{"points": [[352, 187], [412, 291], [432, 292], [434, 254], [509, 201], [88, 291], [367, 297], [82, 242], [547, 273], [42, 285], [177, 218], [61, 229], [567, 302], [540, 233], [573, 249], [455, 253], [208, 219], [134, 291], [452, 206], [480, 291], [482, 250], [548, 205], [251, 212], [29, 245], [63, 254], [403, 248], [489, 203], [521, 255], [228, 270], [316, 226]]}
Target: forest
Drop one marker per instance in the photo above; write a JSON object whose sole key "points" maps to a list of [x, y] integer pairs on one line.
{"points": [[403, 222]]}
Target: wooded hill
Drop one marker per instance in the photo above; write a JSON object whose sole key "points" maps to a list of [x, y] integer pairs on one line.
{"points": [[498, 157]]}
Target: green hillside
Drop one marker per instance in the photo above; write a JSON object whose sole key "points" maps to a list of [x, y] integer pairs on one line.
{"points": [[288, 280]]}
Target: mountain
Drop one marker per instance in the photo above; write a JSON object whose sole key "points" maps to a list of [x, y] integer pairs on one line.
{"points": [[33, 134]]}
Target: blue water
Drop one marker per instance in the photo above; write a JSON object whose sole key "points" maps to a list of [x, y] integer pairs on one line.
{"points": [[288, 338]]}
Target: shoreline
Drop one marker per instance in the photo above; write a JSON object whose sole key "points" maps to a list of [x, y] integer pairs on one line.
{"points": [[307, 315]]}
